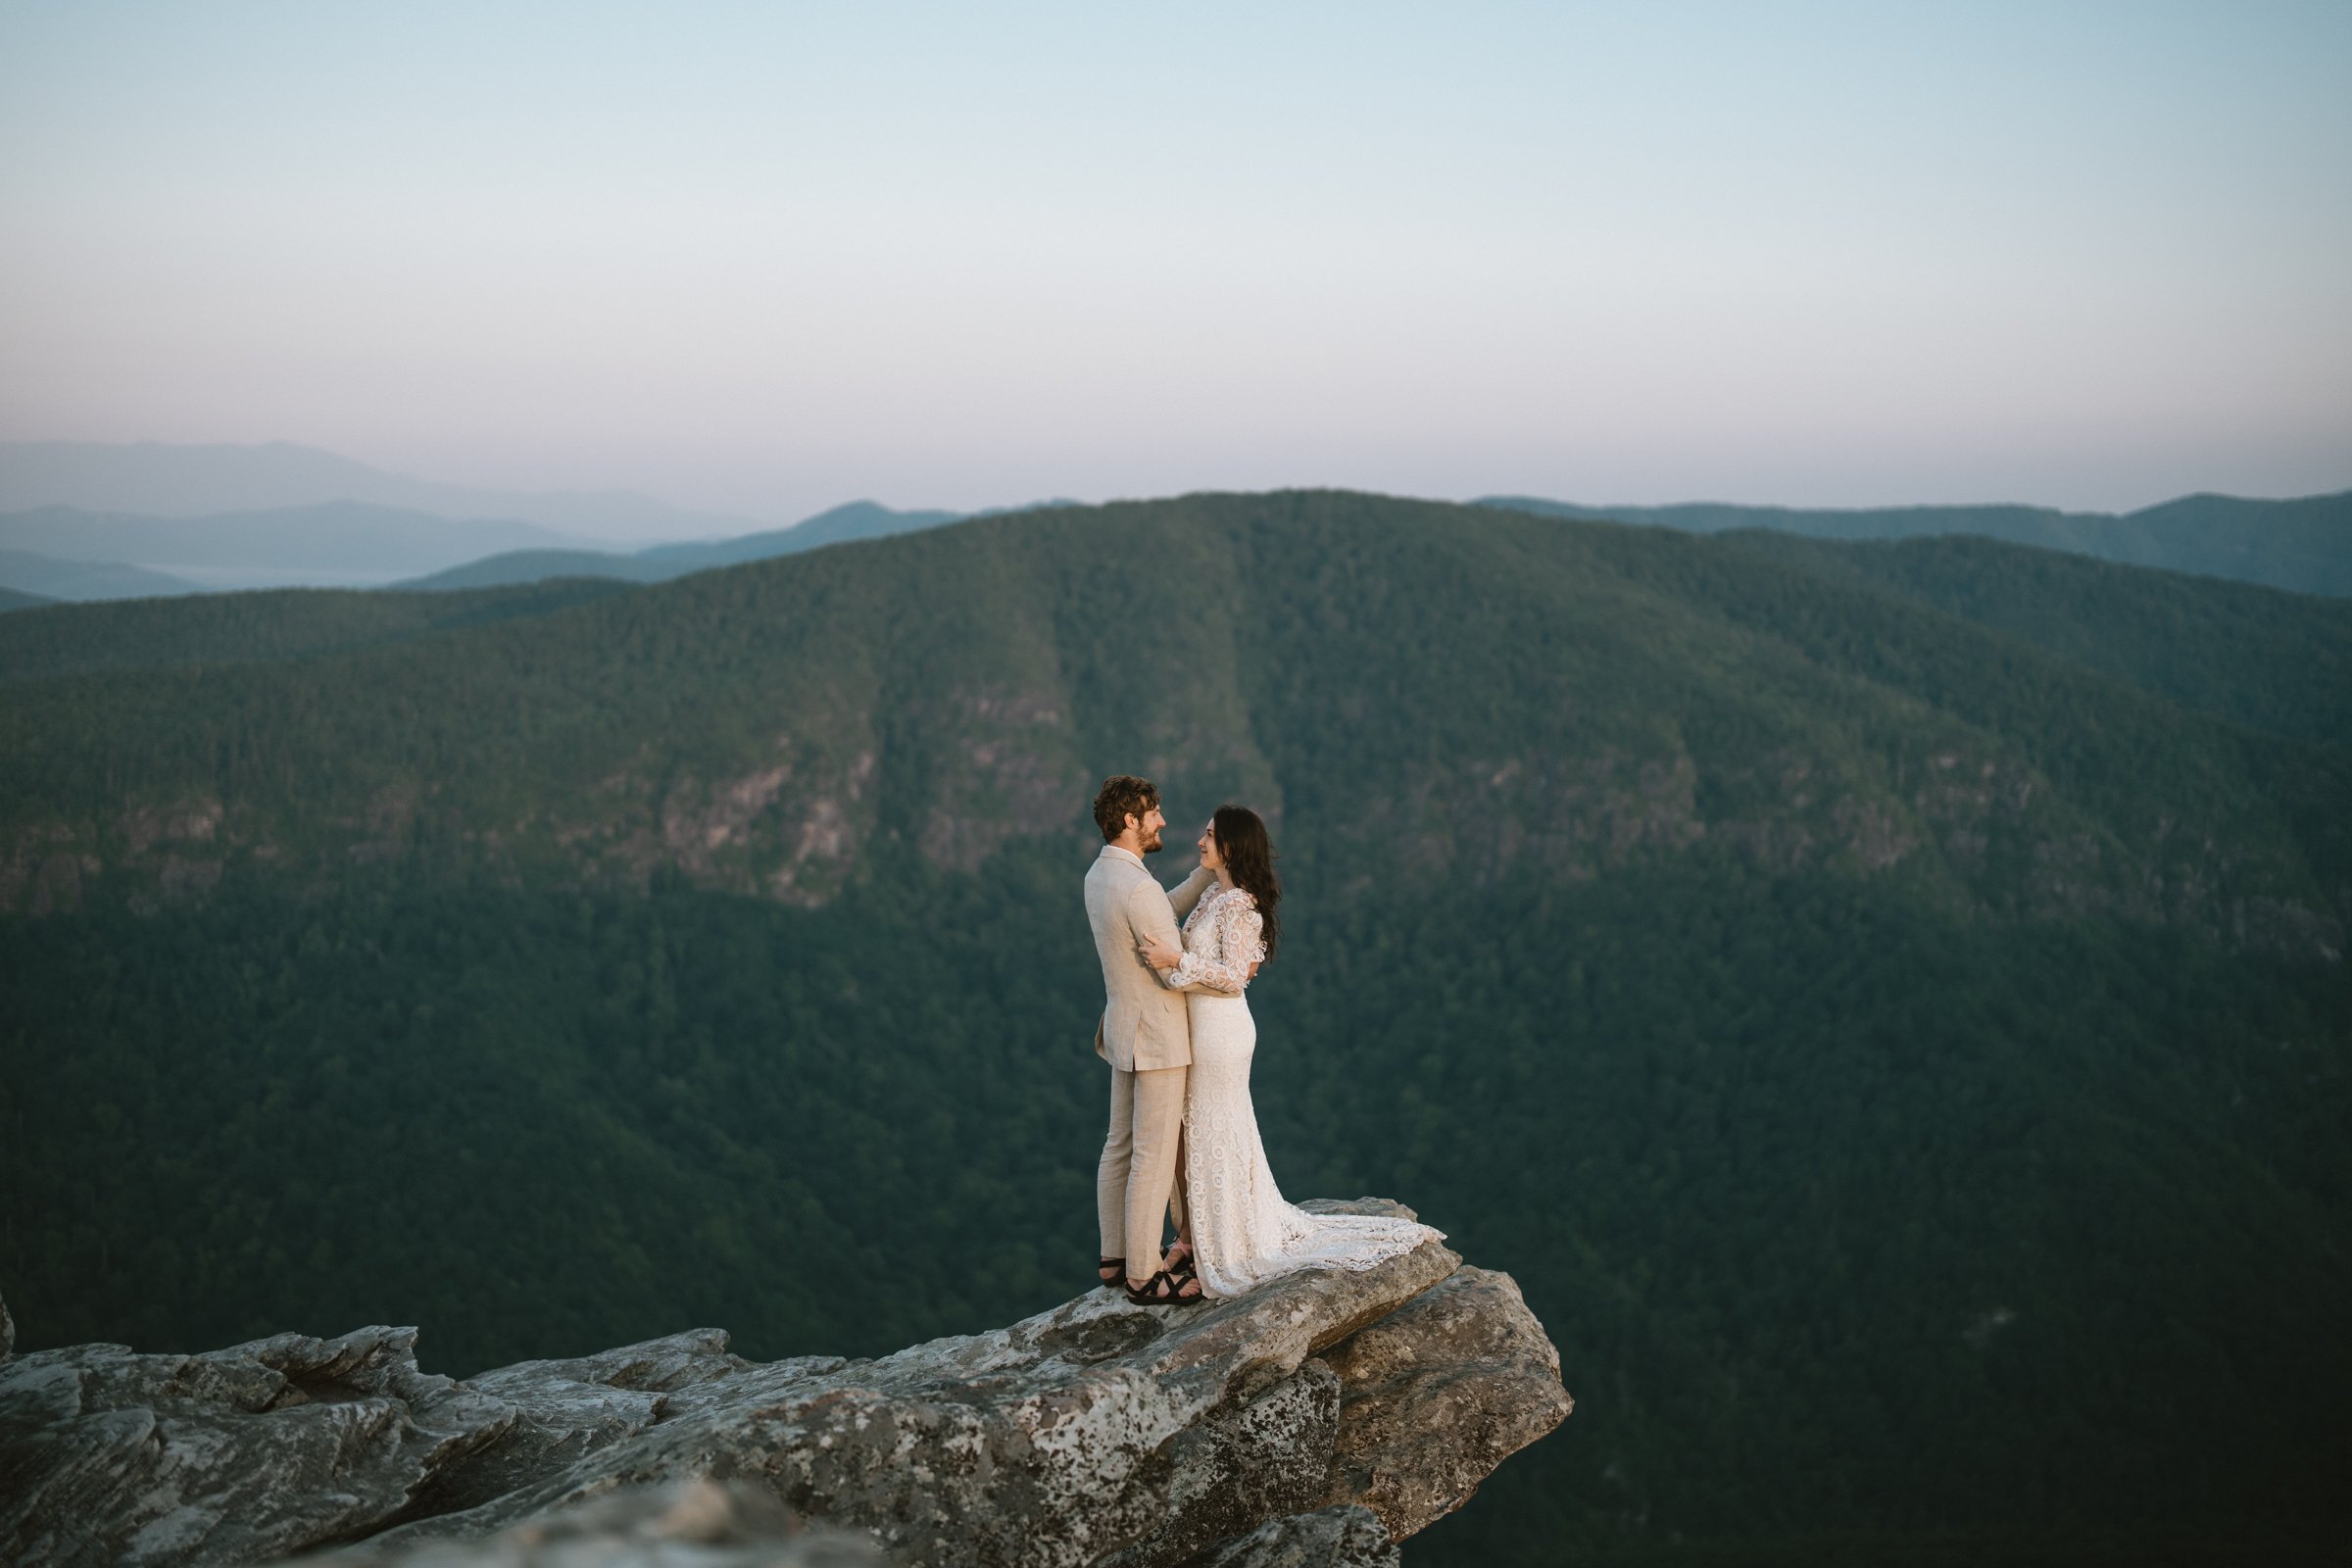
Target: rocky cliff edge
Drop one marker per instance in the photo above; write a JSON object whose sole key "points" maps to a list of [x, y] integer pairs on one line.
{"points": [[1314, 1422]]}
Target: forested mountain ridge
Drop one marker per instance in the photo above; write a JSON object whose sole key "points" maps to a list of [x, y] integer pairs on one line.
{"points": [[2302, 544], [857, 520], [215, 630], [1457, 690], [2259, 656], [1903, 1054]]}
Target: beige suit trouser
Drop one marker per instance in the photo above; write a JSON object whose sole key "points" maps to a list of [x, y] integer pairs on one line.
{"points": [[1137, 1180]]}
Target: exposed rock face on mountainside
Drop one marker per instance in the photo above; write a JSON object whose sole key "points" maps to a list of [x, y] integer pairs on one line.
{"points": [[1312, 1422]]}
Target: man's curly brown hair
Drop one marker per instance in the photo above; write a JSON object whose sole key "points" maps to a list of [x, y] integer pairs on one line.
{"points": [[1122, 795]]}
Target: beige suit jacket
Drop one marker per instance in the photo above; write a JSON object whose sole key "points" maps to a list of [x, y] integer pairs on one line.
{"points": [[1143, 1026]]}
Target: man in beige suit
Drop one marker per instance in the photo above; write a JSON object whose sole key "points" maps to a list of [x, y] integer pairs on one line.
{"points": [[1143, 1033]]}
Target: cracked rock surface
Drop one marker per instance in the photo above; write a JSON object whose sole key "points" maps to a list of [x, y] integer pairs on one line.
{"points": [[235, 1456], [1345, 1537], [1438, 1394], [1313, 1421]]}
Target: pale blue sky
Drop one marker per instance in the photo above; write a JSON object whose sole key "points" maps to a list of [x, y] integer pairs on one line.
{"points": [[769, 257]]}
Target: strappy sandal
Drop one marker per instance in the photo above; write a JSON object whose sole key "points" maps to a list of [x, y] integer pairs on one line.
{"points": [[1164, 1289], [1111, 1273], [1183, 1268]]}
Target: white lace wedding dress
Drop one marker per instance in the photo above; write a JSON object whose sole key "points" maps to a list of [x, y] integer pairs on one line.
{"points": [[1242, 1232]]}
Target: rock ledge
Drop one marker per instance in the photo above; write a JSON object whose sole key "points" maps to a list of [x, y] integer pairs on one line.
{"points": [[1312, 1422]]}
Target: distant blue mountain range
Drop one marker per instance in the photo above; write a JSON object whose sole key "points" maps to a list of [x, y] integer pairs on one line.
{"points": [[83, 520], [162, 480], [45, 579], [325, 544], [65, 552]]}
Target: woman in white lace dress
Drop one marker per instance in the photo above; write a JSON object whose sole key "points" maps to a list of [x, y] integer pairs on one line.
{"points": [[1242, 1232]]}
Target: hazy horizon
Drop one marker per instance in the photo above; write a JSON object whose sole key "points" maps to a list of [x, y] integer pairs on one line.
{"points": [[763, 264], [664, 526]]}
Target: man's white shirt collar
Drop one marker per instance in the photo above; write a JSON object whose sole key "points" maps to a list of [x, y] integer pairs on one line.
{"points": [[1125, 855]]}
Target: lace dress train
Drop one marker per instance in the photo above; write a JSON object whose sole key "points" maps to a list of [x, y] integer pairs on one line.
{"points": [[1243, 1231]]}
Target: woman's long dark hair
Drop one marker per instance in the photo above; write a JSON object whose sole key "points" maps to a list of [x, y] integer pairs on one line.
{"points": [[1248, 853]]}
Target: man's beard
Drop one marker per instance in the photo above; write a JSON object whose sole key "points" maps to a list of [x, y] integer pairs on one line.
{"points": [[1151, 843]]}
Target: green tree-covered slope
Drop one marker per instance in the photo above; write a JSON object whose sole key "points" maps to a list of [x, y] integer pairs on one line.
{"points": [[1901, 1056], [243, 628], [2259, 656], [1464, 690]]}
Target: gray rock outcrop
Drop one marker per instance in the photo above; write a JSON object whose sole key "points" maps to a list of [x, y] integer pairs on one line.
{"points": [[1346, 1537], [1437, 1394], [231, 1456], [1312, 1422], [680, 1524]]}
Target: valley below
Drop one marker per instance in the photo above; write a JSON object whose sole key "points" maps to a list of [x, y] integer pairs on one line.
{"points": [[1884, 1002]]}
